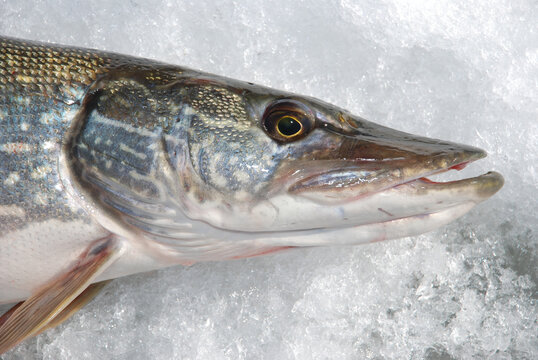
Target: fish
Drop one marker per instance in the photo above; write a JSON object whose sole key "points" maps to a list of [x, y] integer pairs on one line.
{"points": [[112, 165]]}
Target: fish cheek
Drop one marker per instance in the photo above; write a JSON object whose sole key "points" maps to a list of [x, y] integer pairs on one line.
{"points": [[237, 164]]}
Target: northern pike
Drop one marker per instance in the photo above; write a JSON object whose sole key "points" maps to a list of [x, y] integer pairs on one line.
{"points": [[112, 165]]}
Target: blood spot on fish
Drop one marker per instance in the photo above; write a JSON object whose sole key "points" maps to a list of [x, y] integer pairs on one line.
{"points": [[460, 166]]}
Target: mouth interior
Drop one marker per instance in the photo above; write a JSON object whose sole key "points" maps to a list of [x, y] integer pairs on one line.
{"points": [[445, 176]]}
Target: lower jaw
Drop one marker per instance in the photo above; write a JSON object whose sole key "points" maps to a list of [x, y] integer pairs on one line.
{"points": [[361, 234], [373, 232], [483, 186]]}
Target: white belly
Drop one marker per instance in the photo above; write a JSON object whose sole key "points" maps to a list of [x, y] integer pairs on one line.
{"points": [[31, 256]]}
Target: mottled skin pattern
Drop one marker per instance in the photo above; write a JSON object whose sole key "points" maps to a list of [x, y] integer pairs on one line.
{"points": [[34, 99], [41, 88]]}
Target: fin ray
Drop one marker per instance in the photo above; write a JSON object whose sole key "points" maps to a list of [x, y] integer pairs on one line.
{"points": [[80, 301]]}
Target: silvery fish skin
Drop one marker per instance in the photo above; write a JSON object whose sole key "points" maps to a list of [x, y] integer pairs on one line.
{"points": [[180, 166]]}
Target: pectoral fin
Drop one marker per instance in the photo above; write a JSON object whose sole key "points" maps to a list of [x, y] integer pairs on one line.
{"points": [[80, 301], [40, 310]]}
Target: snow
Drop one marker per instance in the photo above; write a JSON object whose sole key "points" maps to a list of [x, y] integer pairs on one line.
{"points": [[465, 71]]}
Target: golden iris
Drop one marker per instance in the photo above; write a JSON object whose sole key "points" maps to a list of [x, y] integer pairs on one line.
{"points": [[288, 126]]}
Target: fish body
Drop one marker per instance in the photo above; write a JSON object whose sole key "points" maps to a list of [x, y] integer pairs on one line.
{"points": [[42, 227], [112, 165]]}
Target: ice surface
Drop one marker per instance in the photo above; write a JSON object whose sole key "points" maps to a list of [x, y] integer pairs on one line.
{"points": [[457, 70]]}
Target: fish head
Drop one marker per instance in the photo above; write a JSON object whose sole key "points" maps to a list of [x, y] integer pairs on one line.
{"points": [[282, 167]]}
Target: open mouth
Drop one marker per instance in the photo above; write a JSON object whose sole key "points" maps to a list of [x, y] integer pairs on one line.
{"points": [[484, 185], [357, 202], [379, 198], [355, 180]]}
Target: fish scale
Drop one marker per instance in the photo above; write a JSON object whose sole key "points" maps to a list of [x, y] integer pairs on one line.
{"points": [[29, 139], [41, 88]]}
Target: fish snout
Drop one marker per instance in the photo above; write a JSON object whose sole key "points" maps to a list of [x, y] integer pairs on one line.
{"points": [[364, 141], [366, 158]]}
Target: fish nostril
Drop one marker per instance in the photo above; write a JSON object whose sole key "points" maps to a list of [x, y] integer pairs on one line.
{"points": [[349, 121]]}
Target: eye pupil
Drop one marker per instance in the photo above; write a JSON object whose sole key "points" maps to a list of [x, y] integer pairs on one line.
{"points": [[288, 126]]}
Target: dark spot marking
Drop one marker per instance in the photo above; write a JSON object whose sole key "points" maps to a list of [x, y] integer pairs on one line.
{"points": [[385, 212]]}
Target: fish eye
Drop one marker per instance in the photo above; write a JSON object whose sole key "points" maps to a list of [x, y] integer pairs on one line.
{"points": [[287, 120], [288, 126]]}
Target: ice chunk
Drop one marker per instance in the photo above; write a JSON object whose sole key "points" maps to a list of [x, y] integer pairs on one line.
{"points": [[457, 70]]}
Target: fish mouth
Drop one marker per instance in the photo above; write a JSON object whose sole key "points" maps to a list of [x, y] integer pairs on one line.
{"points": [[387, 209], [341, 214], [356, 180], [407, 209], [380, 178]]}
